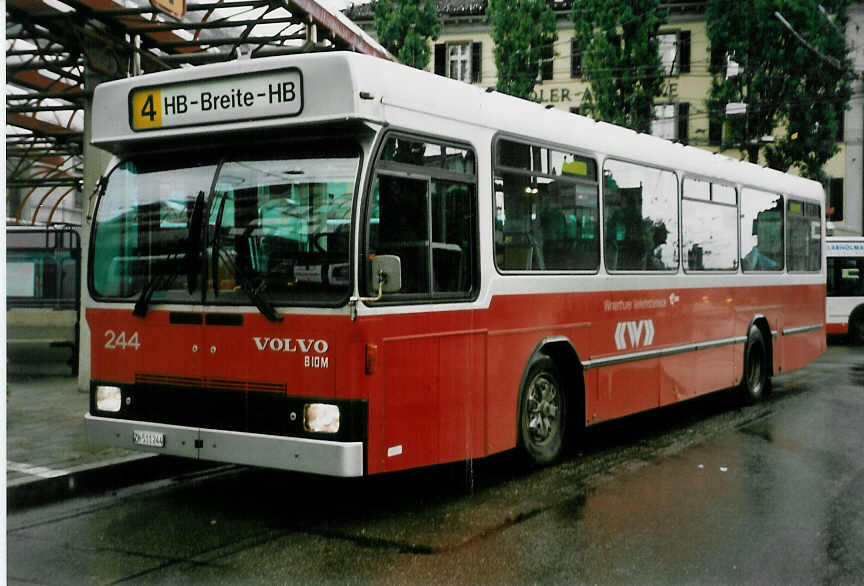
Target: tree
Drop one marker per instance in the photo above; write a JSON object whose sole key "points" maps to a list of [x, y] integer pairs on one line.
{"points": [[524, 35], [620, 59], [793, 73], [404, 27]]}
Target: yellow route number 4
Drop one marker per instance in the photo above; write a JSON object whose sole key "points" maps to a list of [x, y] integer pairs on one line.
{"points": [[147, 109]]}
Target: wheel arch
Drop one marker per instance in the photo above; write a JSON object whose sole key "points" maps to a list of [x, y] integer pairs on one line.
{"points": [[562, 352]]}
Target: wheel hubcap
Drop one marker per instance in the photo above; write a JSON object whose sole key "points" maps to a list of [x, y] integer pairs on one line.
{"points": [[542, 409]]}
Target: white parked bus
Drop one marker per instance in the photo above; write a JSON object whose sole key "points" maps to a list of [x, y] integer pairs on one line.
{"points": [[844, 306], [336, 264]]}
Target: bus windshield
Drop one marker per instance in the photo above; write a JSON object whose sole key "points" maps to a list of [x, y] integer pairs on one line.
{"points": [[270, 226]]}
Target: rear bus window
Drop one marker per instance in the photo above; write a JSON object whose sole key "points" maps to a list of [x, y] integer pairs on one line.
{"points": [[803, 236], [761, 230]]}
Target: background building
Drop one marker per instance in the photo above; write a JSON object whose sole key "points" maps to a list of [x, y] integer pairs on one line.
{"points": [[464, 51]]}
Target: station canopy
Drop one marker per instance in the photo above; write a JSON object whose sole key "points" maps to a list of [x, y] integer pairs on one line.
{"points": [[58, 50]]}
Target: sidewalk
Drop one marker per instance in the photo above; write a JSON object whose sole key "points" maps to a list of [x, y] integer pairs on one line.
{"points": [[47, 455]]}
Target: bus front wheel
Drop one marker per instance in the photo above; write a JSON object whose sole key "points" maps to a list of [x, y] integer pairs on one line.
{"points": [[542, 412], [755, 383]]}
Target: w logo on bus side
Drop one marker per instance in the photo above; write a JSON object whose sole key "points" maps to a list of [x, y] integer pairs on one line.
{"points": [[639, 333]]}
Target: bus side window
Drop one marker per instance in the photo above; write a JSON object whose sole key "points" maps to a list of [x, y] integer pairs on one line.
{"points": [[761, 230], [803, 236], [640, 206], [709, 225], [452, 236], [428, 218], [546, 206]]}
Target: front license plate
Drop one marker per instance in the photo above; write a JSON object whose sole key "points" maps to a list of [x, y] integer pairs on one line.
{"points": [[151, 439]]}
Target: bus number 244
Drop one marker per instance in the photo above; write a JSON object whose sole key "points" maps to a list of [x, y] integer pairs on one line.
{"points": [[121, 340]]}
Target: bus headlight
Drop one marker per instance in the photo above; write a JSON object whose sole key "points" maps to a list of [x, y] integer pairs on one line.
{"points": [[108, 398], [321, 418]]}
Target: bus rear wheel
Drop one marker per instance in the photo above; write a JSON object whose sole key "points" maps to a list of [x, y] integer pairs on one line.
{"points": [[542, 413], [755, 383], [856, 328]]}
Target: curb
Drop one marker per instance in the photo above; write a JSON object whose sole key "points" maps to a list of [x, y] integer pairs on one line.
{"points": [[24, 493]]}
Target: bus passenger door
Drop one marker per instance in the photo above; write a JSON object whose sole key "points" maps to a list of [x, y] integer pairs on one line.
{"points": [[434, 399], [423, 210]]}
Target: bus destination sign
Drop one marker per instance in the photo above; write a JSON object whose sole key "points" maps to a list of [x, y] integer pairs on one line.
{"points": [[226, 99]]}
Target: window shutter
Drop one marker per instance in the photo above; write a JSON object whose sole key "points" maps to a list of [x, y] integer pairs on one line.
{"points": [[547, 55], [684, 122], [440, 59], [476, 62], [684, 51], [841, 121], [717, 60], [715, 127], [575, 59], [835, 199]]}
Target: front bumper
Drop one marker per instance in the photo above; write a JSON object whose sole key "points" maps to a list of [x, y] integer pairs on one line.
{"points": [[332, 458]]}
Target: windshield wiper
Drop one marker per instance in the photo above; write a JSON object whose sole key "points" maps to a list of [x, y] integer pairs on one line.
{"points": [[193, 248], [254, 293], [156, 282], [214, 254], [191, 254]]}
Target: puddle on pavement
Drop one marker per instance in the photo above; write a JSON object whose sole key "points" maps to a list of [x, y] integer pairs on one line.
{"points": [[856, 373]]}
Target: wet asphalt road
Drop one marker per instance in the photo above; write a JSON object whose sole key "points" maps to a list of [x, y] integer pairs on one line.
{"points": [[707, 492]]}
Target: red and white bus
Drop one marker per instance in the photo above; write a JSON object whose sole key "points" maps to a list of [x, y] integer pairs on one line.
{"points": [[334, 264], [844, 307]]}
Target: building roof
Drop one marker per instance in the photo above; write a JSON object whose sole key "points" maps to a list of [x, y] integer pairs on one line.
{"points": [[457, 8]]}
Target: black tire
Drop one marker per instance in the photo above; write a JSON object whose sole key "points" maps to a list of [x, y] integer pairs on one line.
{"points": [[755, 384], [542, 412], [856, 328]]}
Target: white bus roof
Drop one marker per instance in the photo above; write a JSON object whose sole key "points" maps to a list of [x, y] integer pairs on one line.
{"points": [[340, 86]]}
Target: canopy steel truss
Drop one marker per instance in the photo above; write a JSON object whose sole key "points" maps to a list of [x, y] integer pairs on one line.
{"points": [[57, 50]]}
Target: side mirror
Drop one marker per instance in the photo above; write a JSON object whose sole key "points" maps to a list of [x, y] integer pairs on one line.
{"points": [[387, 273]]}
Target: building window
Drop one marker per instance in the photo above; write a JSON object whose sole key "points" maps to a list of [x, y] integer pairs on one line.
{"points": [[664, 121], [672, 121], [675, 52], [460, 61]]}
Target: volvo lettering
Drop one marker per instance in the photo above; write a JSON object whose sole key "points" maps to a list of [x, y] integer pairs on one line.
{"points": [[291, 345]]}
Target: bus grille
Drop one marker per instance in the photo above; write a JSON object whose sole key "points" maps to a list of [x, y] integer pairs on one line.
{"points": [[209, 383], [233, 405]]}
